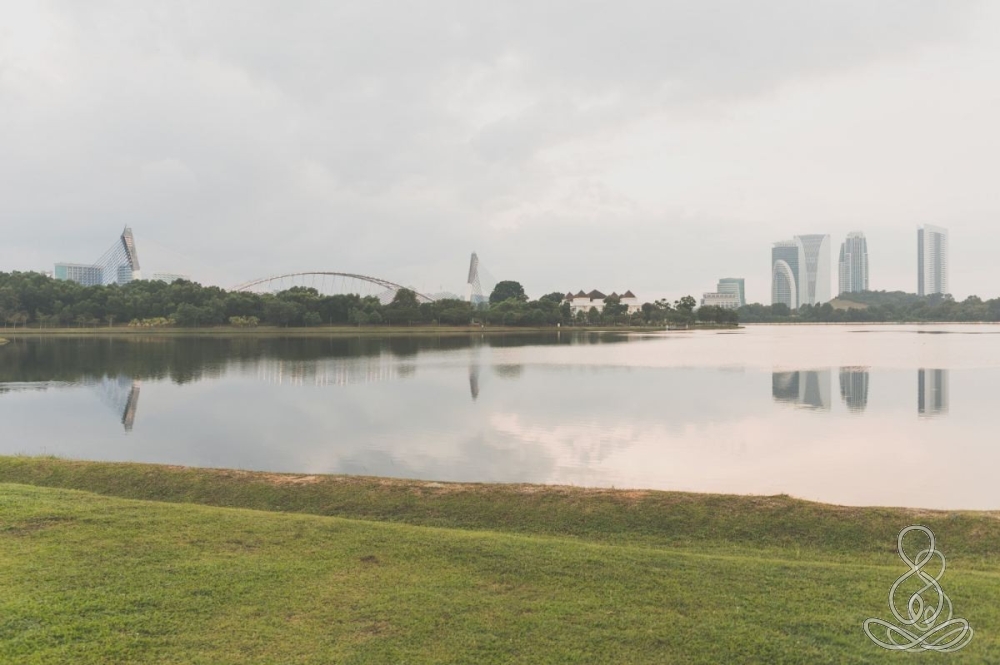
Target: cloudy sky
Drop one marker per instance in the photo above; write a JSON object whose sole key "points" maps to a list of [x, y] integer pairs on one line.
{"points": [[654, 145]]}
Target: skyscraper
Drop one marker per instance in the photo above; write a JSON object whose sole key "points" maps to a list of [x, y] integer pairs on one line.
{"points": [[853, 264], [814, 270], [118, 265], [800, 271], [932, 260], [735, 286], [785, 273]]}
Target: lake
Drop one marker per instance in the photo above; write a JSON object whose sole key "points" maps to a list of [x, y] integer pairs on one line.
{"points": [[856, 415]]}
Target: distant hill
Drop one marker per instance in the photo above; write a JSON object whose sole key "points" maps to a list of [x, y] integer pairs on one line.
{"points": [[840, 303], [884, 298]]}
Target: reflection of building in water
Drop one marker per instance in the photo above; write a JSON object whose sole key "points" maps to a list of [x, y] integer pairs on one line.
{"points": [[854, 387], [330, 372], [932, 392], [474, 381], [785, 386], [121, 394], [810, 388]]}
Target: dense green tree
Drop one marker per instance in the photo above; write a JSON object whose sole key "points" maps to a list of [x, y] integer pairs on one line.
{"points": [[404, 308], [686, 304], [613, 309], [507, 290]]}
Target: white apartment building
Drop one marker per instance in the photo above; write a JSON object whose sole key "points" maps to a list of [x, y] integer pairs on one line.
{"points": [[582, 302]]}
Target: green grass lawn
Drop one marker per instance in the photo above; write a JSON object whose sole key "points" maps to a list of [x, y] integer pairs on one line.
{"points": [[146, 564]]}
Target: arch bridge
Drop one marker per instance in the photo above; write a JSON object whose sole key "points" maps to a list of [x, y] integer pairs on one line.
{"points": [[330, 283]]}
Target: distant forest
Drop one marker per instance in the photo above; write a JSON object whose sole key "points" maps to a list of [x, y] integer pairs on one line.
{"points": [[878, 306], [29, 299]]}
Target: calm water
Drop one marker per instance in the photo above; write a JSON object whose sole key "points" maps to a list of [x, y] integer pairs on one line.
{"points": [[881, 415]]}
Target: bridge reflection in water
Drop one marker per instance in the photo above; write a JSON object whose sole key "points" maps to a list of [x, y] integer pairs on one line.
{"points": [[322, 373]]}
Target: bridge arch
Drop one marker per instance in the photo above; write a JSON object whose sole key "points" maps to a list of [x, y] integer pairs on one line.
{"points": [[329, 282]]}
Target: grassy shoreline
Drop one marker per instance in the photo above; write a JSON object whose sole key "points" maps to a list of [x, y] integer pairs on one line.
{"points": [[648, 517], [103, 562]]}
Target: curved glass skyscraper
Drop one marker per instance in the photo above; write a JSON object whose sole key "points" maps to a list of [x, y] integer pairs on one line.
{"points": [[785, 274], [800, 271]]}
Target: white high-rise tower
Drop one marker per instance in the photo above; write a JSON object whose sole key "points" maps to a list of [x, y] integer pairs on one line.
{"points": [[815, 274], [932, 260], [853, 264]]}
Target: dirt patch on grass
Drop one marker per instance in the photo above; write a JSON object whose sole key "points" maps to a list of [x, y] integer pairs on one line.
{"points": [[282, 479], [33, 525]]}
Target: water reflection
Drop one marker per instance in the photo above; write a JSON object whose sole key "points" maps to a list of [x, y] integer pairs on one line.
{"points": [[327, 372], [810, 389], [854, 388], [670, 411], [932, 392], [121, 395], [474, 381]]}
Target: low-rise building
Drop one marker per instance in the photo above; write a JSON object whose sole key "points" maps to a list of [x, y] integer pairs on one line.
{"points": [[734, 285], [582, 302], [723, 300]]}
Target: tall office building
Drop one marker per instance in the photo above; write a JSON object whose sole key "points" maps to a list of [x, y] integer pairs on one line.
{"points": [[800, 271], [814, 276], [853, 264], [118, 265], [785, 257], [932, 260], [735, 286]]}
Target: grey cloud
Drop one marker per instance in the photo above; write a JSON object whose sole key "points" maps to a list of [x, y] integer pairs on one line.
{"points": [[387, 137]]}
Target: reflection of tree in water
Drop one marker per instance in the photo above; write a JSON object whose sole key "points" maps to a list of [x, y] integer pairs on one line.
{"points": [[186, 359]]}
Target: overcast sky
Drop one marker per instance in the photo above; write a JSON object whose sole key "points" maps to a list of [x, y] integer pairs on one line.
{"points": [[653, 146]]}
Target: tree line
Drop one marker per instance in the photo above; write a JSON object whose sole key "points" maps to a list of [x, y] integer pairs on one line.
{"points": [[36, 300], [878, 307]]}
